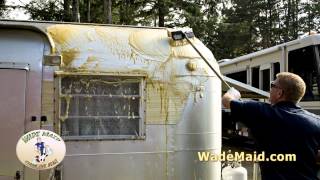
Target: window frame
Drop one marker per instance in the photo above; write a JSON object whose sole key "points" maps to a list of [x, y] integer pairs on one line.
{"points": [[142, 109]]}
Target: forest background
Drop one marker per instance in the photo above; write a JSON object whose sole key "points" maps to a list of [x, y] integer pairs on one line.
{"points": [[230, 28]]}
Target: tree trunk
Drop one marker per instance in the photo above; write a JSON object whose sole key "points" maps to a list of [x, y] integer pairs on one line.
{"points": [[66, 10], [270, 24], [2, 3], [309, 18], [161, 9], [279, 22], [121, 13], [107, 11], [110, 12], [2, 7], [75, 11], [89, 10], [287, 15], [296, 19]]}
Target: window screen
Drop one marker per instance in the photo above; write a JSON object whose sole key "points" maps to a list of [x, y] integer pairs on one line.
{"points": [[100, 107]]}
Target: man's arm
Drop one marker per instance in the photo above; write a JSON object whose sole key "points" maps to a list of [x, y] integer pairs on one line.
{"points": [[251, 113], [231, 94]]}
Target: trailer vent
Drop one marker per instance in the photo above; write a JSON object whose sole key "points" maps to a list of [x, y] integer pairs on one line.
{"points": [[101, 107]]}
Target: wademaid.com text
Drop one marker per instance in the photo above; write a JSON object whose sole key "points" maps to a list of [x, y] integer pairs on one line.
{"points": [[243, 156]]}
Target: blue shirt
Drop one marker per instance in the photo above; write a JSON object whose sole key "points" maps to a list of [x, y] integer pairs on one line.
{"points": [[283, 128], [40, 147]]}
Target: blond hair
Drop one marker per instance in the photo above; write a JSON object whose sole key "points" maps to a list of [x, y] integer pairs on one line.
{"points": [[293, 86]]}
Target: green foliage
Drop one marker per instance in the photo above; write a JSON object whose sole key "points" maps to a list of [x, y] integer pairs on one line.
{"points": [[3, 9], [46, 10], [230, 28], [249, 25]]}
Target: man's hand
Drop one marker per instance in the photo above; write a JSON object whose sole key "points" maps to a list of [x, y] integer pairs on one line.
{"points": [[231, 94]]}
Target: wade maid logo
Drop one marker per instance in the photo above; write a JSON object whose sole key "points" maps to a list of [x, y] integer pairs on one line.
{"points": [[41, 149]]}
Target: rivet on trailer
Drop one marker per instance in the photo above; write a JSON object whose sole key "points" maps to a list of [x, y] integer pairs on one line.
{"points": [[130, 102]]}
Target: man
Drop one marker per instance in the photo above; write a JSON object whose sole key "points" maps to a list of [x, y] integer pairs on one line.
{"points": [[281, 127]]}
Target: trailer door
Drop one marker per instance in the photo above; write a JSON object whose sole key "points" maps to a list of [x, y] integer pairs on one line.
{"points": [[12, 119]]}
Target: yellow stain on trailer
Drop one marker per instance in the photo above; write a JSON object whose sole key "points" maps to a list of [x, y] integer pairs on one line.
{"points": [[151, 45], [90, 60], [69, 55], [67, 98], [164, 105], [62, 33], [115, 40], [90, 50]]}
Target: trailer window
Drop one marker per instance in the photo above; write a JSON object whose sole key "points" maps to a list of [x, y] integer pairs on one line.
{"points": [[101, 107], [276, 70], [239, 76], [255, 77], [305, 62], [265, 80]]}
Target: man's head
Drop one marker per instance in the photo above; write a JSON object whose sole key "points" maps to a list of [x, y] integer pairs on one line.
{"points": [[287, 87], [38, 139]]}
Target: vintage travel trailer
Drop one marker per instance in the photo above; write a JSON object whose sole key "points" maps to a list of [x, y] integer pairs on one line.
{"points": [[300, 56], [129, 102]]}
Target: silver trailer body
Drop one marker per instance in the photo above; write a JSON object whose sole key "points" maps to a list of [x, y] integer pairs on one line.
{"points": [[165, 107]]}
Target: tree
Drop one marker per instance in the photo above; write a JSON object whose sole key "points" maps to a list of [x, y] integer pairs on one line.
{"points": [[67, 10], [311, 17], [107, 11], [291, 26], [2, 7], [46, 10], [88, 10], [237, 32], [316, 13], [75, 11], [156, 11], [128, 12], [268, 23], [230, 28]]}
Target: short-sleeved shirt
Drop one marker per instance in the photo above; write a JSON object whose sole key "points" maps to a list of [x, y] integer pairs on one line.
{"points": [[283, 128], [40, 147]]}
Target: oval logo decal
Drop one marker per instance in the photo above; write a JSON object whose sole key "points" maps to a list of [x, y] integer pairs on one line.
{"points": [[41, 149]]}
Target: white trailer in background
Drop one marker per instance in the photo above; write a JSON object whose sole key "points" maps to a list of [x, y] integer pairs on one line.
{"points": [[129, 102], [300, 56], [258, 69]]}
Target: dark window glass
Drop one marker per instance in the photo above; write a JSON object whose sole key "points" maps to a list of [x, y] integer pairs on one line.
{"points": [[266, 80], [305, 63], [255, 77], [239, 76], [276, 69]]}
